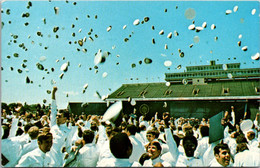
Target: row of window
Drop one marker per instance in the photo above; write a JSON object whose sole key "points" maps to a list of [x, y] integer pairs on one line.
{"points": [[204, 74], [214, 67], [195, 91]]}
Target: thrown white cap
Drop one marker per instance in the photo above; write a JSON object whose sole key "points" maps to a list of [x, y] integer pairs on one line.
{"points": [[246, 125]]}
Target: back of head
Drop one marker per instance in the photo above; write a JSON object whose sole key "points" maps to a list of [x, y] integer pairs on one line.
{"points": [[44, 136], [120, 146], [33, 132], [241, 139], [19, 132], [204, 130], [88, 136], [190, 138], [131, 128], [29, 115], [220, 146], [142, 128], [241, 147], [177, 140], [27, 127], [5, 131], [143, 158]]}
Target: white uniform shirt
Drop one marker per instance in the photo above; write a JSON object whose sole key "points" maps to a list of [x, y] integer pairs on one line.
{"points": [[22, 139], [184, 161], [104, 153], [62, 137], [35, 158], [215, 163], [151, 163], [88, 156], [11, 150], [253, 144], [208, 156], [203, 145], [29, 147], [247, 159], [138, 149], [114, 162], [167, 157]]}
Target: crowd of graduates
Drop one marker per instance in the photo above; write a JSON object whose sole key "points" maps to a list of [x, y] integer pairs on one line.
{"points": [[57, 138]]}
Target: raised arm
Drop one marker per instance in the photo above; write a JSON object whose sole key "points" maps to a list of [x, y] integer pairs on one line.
{"points": [[53, 107], [233, 115], [173, 149]]}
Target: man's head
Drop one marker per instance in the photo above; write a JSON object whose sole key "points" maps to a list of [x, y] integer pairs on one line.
{"points": [[130, 129], [45, 141], [5, 131], [204, 130], [241, 147], [222, 154], [94, 126], [250, 135], [88, 136], [142, 127], [29, 116], [120, 146], [189, 144], [154, 149], [33, 132], [27, 127], [152, 134], [62, 116]]}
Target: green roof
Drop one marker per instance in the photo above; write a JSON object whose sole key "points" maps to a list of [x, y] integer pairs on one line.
{"points": [[229, 89]]}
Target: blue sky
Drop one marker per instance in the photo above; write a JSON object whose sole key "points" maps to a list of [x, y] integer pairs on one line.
{"points": [[117, 14]]}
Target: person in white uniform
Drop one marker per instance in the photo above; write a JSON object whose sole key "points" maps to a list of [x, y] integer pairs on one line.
{"points": [[10, 149], [203, 143], [38, 157], [33, 133], [154, 151], [222, 156], [138, 148], [189, 145], [88, 154], [62, 135], [246, 158], [121, 148]]}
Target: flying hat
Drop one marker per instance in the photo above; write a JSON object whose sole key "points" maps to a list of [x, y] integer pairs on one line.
{"points": [[246, 126]]}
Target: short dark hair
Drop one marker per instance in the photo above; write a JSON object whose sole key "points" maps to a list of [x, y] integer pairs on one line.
{"points": [[88, 136], [220, 146], [29, 115], [155, 143], [241, 147], [131, 128], [19, 131], [6, 132], [190, 138], [27, 127], [120, 145], [241, 139], [33, 132], [144, 157], [142, 127], [204, 130], [177, 140], [153, 132], [43, 136], [65, 113]]}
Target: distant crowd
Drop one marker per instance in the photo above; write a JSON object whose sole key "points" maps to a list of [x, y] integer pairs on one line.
{"points": [[57, 138]]}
